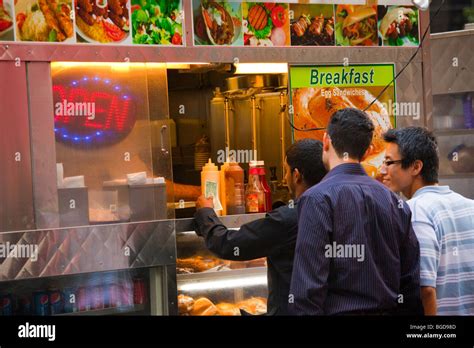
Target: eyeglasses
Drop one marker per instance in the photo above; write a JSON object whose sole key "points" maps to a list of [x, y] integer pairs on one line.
{"points": [[389, 163]]}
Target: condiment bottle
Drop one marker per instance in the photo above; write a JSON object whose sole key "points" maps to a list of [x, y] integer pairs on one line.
{"points": [[233, 186], [266, 187], [210, 182], [254, 194]]}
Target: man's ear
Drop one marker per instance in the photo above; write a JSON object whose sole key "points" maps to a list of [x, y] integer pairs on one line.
{"points": [[326, 142], [298, 178], [367, 152], [416, 167]]}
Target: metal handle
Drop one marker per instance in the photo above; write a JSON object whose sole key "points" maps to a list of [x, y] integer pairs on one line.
{"points": [[254, 125], [163, 129], [227, 127]]}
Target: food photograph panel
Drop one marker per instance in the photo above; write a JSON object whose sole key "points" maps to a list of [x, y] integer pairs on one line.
{"points": [[157, 22], [356, 25], [265, 24], [398, 25], [312, 25], [217, 23], [102, 21], [44, 21], [314, 104], [7, 32]]}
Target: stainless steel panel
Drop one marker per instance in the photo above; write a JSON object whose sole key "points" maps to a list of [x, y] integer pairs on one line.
{"points": [[158, 100], [171, 290], [43, 149], [104, 53], [446, 47], [270, 133], [268, 128], [216, 125], [463, 185], [427, 97], [90, 249], [16, 192]]}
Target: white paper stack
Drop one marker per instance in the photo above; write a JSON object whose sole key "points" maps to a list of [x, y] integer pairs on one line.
{"points": [[159, 180], [74, 182], [60, 174], [136, 178]]}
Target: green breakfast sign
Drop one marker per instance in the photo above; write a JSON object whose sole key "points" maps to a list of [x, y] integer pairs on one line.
{"points": [[341, 76]]}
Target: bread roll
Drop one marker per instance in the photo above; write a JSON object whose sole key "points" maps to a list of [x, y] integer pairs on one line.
{"points": [[203, 307], [358, 15], [198, 263], [227, 309], [185, 304], [254, 305]]}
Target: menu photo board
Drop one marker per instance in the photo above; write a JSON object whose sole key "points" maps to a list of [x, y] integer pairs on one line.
{"points": [[279, 24], [117, 22], [317, 92]]}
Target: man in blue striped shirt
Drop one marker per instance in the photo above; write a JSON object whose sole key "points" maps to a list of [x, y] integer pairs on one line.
{"points": [[356, 252], [442, 219]]}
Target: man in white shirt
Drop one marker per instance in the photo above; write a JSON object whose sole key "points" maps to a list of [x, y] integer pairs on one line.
{"points": [[442, 219]]}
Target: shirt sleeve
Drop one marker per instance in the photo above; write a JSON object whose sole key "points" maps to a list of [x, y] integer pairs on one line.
{"points": [[253, 240], [429, 252], [309, 281]]}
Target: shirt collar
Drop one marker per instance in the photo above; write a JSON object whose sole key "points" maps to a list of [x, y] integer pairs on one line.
{"points": [[346, 168], [432, 188]]}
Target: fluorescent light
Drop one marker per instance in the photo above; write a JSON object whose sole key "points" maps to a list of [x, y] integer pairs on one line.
{"points": [[126, 65], [224, 283], [184, 65], [261, 68]]}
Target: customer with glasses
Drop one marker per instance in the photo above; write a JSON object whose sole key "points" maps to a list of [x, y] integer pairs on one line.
{"points": [[442, 219]]}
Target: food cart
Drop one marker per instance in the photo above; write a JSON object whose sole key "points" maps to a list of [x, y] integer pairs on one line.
{"points": [[100, 123]]}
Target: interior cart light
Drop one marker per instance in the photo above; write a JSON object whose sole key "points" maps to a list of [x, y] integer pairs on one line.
{"points": [[421, 4], [261, 68], [183, 65], [224, 283]]}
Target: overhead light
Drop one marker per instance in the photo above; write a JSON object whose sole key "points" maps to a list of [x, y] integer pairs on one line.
{"points": [[185, 65], [261, 68], [125, 66], [421, 4]]}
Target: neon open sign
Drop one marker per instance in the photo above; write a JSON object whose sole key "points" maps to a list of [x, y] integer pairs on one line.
{"points": [[92, 110]]}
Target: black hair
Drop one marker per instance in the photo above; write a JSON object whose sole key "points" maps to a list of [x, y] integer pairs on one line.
{"points": [[307, 156], [351, 132], [417, 143]]}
